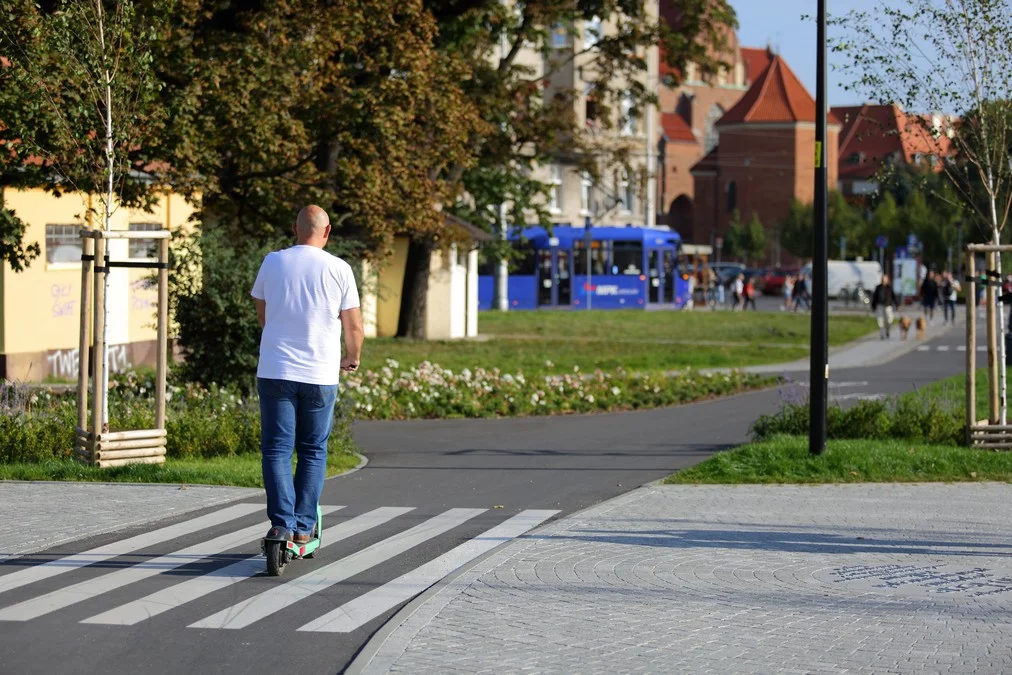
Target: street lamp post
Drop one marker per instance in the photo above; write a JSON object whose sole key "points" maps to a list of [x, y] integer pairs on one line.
{"points": [[819, 372]]}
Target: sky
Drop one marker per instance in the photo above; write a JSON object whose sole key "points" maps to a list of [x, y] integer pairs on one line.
{"points": [[779, 23]]}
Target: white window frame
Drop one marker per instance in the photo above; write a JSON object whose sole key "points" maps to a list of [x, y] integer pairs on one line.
{"points": [[146, 226], [627, 121], [592, 32], [586, 188], [64, 264], [626, 192], [555, 191]]}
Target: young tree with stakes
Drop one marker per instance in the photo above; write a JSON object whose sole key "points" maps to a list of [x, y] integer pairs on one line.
{"points": [[87, 64], [947, 57]]}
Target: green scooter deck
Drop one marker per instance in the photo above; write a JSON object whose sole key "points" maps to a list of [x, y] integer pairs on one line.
{"points": [[302, 550]]}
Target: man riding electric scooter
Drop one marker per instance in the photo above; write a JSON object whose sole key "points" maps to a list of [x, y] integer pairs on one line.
{"points": [[304, 298]]}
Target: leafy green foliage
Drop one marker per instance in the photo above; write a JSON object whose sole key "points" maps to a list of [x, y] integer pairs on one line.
{"points": [[12, 233], [785, 459], [745, 240], [928, 419], [38, 425], [69, 63]]}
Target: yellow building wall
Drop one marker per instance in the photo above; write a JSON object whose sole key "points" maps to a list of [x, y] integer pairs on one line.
{"points": [[41, 305], [390, 282]]}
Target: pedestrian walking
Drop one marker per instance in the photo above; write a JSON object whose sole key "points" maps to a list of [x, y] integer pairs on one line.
{"points": [[929, 296], [738, 294], [305, 297], [950, 293], [801, 295], [749, 294], [788, 292], [883, 306]]}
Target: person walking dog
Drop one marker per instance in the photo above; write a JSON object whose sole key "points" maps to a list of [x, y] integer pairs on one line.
{"points": [[883, 304], [305, 297]]}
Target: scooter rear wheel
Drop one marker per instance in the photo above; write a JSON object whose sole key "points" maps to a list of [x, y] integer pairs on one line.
{"points": [[276, 558]]}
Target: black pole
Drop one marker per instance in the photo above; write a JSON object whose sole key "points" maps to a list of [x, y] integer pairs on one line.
{"points": [[819, 376]]}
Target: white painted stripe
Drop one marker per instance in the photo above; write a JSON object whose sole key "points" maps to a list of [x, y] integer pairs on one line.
{"points": [[180, 594], [117, 548], [923, 348], [365, 608], [961, 348], [943, 348], [90, 588], [981, 348], [274, 600]]}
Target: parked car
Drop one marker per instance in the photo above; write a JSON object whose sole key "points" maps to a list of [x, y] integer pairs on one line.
{"points": [[773, 283], [726, 271]]}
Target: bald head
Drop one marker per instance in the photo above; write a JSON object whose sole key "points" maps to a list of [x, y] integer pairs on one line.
{"points": [[312, 227]]}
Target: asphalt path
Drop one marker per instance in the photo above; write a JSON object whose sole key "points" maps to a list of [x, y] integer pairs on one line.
{"points": [[500, 467]]}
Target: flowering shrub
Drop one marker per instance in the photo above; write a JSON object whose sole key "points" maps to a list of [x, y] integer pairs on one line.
{"points": [[430, 391], [38, 424]]}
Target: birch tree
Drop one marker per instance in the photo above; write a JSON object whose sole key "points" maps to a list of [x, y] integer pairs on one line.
{"points": [[80, 105], [938, 58]]}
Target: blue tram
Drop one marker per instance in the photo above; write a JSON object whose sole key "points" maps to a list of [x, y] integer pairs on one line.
{"points": [[612, 268]]}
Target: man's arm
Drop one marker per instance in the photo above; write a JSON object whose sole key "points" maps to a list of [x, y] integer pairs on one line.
{"points": [[261, 311], [354, 336]]}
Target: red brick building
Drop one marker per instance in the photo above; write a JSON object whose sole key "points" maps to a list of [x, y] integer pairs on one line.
{"points": [[877, 135], [688, 118], [765, 158]]}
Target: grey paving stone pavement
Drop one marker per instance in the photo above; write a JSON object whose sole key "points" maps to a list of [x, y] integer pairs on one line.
{"points": [[733, 579], [35, 516]]}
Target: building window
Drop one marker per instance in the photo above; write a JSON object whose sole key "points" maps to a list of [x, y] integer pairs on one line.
{"points": [[590, 111], [144, 249], [855, 158], [732, 196], [560, 36], [591, 32], [586, 184], [626, 192], [555, 191], [628, 120], [63, 244]]}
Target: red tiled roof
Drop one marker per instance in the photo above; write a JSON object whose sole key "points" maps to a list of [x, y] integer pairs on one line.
{"points": [[871, 133], [708, 163], [756, 61], [777, 96], [676, 129]]}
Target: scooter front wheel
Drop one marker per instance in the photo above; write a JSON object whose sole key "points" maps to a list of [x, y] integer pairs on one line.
{"points": [[277, 558]]}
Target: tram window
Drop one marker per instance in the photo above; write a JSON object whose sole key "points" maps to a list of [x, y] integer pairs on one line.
{"points": [[524, 261], [486, 264], [599, 252], [627, 258]]}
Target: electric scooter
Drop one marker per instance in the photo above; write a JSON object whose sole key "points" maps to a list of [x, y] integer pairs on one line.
{"points": [[280, 551]]}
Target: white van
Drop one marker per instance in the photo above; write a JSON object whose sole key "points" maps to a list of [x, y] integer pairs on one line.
{"points": [[841, 274]]}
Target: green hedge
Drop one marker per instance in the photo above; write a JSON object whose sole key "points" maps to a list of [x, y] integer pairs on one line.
{"points": [[911, 417], [38, 425]]}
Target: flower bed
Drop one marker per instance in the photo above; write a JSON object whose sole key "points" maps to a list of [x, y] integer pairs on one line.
{"points": [[429, 391]]}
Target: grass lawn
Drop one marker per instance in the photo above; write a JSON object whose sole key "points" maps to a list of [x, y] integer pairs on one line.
{"points": [[635, 340], [785, 459], [240, 471]]}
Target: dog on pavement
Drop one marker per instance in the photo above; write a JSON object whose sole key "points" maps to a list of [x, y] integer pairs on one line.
{"points": [[904, 327], [922, 327]]}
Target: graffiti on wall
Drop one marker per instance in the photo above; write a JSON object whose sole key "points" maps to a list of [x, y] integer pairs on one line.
{"points": [[64, 362], [64, 303], [142, 295]]}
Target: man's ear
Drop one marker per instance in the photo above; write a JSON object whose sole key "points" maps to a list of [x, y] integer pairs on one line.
{"points": [[295, 230], [326, 232]]}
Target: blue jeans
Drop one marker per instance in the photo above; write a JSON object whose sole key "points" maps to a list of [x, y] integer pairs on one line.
{"points": [[300, 416]]}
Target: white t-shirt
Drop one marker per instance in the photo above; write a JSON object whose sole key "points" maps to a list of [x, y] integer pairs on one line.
{"points": [[305, 289]]}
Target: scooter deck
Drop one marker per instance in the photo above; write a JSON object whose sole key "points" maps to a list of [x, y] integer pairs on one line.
{"points": [[302, 550]]}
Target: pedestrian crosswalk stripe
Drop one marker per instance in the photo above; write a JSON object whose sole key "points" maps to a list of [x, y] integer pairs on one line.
{"points": [[118, 548], [365, 608], [187, 591], [90, 588], [274, 600]]}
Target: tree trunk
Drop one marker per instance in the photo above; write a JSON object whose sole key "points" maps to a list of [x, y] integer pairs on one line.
{"points": [[411, 321]]}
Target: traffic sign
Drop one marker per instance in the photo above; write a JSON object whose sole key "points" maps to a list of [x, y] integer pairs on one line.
{"points": [[719, 242], [880, 241]]}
